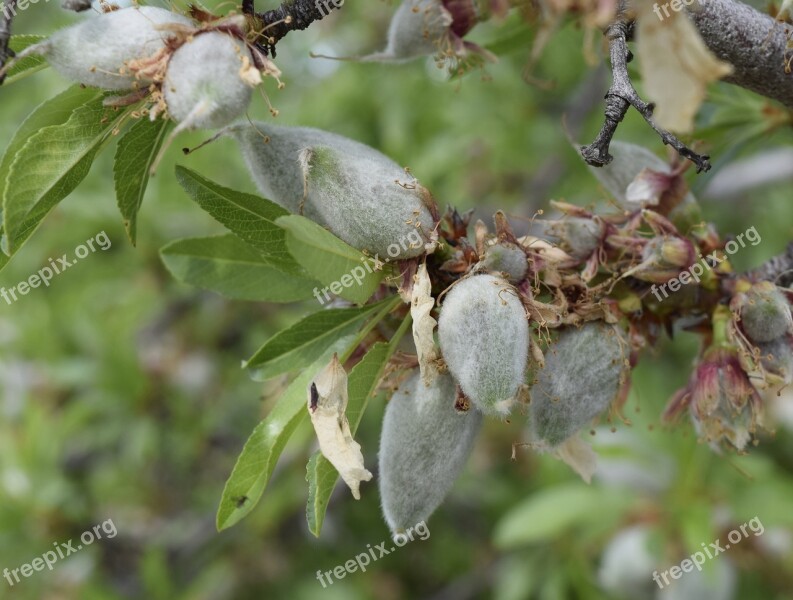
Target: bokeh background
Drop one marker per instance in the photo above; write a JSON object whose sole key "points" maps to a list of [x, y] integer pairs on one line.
{"points": [[122, 397]]}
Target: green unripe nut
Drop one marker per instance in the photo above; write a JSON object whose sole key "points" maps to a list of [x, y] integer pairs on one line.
{"points": [[777, 357], [508, 260], [360, 195], [424, 446], [578, 236], [204, 86], [765, 314], [583, 374], [417, 29], [484, 338], [96, 52]]}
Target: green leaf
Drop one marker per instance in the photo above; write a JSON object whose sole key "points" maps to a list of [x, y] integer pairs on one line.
{"points": [[249, 217], [321, 475], [300, 345], [512, 36], [135, 153], [330, 260], [51, 164], [26, 66], [257, 461], [227, 265], [549, 513], [255, 465], [54, 111]]}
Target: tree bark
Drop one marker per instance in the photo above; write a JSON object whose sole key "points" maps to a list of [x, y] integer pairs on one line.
{"points": [[754, 43]]}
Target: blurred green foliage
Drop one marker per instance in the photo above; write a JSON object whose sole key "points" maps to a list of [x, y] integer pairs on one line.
{"points": [[122, 395]]}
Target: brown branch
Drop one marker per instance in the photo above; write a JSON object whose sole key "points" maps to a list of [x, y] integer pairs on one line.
{"points": [[9, 11], [621, 96], [292, 15], [778, 269]]}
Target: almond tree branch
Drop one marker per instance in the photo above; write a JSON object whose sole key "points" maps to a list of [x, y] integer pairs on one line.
{"points": [[778, 270], [621, 96], [9, 11], [292, 15], [758, 47]]}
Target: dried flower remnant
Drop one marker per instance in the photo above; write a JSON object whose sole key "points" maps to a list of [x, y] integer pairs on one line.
{"points": [[421, 306], [676, 67], [327, 406], [720, 397]]}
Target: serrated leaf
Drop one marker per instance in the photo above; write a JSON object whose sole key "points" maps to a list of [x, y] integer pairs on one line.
{"points": [[255, 465], [26, 66], [51, 164], [552, 511], [52, 112], [329, 259], [249, 217], [135, 153], [227, 265], [300, 345], [320, 474]]}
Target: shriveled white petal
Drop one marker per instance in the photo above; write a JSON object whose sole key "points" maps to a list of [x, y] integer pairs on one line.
{"points": [[579, 456], [647, 189], [421, 305], [327, 404], [676, 66]]}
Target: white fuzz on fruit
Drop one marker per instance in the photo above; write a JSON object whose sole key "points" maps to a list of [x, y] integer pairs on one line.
{"points": [[360, 195], [584, 372], [430, 27], [424, 446], [418, 28], [98, 51], [208, 81], [484, 337]]}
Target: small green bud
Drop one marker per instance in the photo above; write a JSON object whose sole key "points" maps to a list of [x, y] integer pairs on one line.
{"points": [[204, 86], [578, 236], [765, 313], [424, 446], [484, 338], [360, 195], [663, 258], [583, 374], [507, 259], [97, 52]]}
